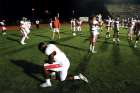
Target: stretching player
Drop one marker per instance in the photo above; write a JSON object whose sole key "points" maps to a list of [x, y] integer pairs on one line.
{"points": [[131, 25], [51, 23], [28, 27], [126, 22], [137, 31], [99, 18], [116, 31], [3, 27], [78, 25], [108, 26], [73, 26], [58, 63], [94, 30], [24, 29], [56, 27], [37, 22]]}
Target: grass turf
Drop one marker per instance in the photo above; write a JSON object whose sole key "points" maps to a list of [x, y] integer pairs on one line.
{"points": [[113, 69]]}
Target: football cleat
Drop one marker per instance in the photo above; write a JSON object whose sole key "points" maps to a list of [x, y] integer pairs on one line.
{"points": [[23, 43], [94, 51], [114, 40], [4, 33], [74, 34], [82, 77], [45, 85]]}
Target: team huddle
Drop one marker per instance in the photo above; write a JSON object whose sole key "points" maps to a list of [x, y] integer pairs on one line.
{"points": [[25, 26]]}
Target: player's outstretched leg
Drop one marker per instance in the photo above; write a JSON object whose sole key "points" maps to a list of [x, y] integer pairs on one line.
{"points": [[78, 77], [82, 77]]}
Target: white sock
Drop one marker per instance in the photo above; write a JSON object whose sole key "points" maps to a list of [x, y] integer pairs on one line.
{"points": [[113, 39], [48, 81], [23, 39], [136, 43], [76, 77], [118, 39], [93, 47], [90, 47]]}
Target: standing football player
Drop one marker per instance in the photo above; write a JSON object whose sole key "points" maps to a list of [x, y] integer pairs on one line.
{"points": [[108, 26], [94, 30], [131, 25], [137, 32], [3, 27], [73, 26], [24, 29], [116, 31], [58, 63], [56, 27], [37, 22], [50, 23], [78, 25]]}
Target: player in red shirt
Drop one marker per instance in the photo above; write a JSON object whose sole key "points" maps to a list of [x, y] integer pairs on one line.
{"points": [[56, 27]]}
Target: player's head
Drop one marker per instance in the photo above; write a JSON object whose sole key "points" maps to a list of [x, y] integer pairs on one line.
{"points": [[42, 46], [24, 18], [3, 20], [55, 18]]}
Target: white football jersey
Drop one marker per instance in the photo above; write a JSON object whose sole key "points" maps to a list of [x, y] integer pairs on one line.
{"points": [[22, 24], [73, 23], [50, 48], [60, 57]]}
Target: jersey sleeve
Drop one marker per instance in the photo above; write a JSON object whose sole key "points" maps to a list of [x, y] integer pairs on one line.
{"points": [[51, 48], [48, 51]]}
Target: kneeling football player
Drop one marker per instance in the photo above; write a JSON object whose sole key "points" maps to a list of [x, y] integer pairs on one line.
{"points": [[58, 63]]}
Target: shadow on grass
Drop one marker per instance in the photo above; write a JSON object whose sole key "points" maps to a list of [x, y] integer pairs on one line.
{"points": [[13, 39], [66, 33], [84, 63], [65, 39], [43, 36], [70, 46], [136, 52], [86, 39], [35, 71], [73, 86], [131, 44], [116, 58], [29, 68], [17, 50], [16, 35], [104, 46]]}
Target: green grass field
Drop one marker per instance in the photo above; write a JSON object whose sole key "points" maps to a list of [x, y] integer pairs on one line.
{"points": [[113, 69]]}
